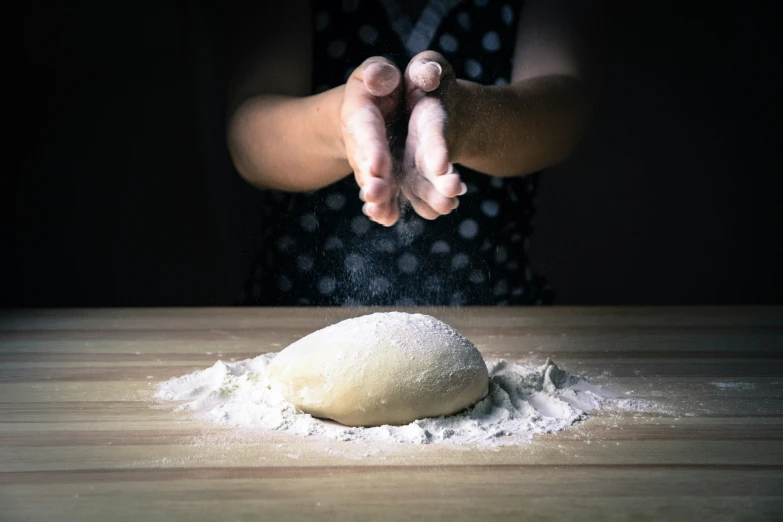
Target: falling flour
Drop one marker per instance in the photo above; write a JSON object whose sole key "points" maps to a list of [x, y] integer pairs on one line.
{"points": [[523, 400]]}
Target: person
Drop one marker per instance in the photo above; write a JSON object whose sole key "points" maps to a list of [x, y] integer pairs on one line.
{"points": [[444, 124]]}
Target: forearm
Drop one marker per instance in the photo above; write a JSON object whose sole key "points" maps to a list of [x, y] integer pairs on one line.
{"points": [[521, 128], [289, 143]]}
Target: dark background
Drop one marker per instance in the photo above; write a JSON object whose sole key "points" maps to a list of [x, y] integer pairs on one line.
{"points": [[123, 193]]}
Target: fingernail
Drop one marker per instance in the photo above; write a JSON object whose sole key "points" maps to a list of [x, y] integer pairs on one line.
{"points": [[456, 204], [364, 209], [437, 65], [463, 189], [361, 194], [451, 169]]}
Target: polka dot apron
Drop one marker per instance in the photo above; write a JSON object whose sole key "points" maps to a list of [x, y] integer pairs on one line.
{"points": [[319, 249]]}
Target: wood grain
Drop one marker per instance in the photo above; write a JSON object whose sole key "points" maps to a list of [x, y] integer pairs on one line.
{"points": [[82, 439]]}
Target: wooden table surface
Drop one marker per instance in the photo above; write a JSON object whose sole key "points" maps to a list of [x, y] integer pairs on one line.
{"points": [[82, 439]]}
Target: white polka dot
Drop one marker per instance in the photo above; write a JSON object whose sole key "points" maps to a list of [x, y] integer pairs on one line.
{"points": [[333, 243], [463, 19], [408, 230], [472, 68], [335, 201], [379, 285], [517, 291], [501, 254], [459, 261], [321, 21], [490, 207], [322, 88], [512, 265], [440, 247], [336, 49], [285, 243], [476, 277], [468, 229], [354, 262], [368, 34], [500, 288], [448, 43], [327, 284], [407, 263], [309, 222], [472, 188], [496, 182], [405, 301], [507, 14], [413, 227], [480, 3], [457, 299], [491, 41], [349, 6], [433, 283], [283, 283], [305, 263], [385, 245], [360, 225], [501, 81]]}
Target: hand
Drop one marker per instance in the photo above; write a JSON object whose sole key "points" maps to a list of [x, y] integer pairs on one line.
{"points": [[432, 96], [371, 102]]}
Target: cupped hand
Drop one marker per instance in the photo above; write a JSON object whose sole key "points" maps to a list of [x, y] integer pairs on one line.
{"points": [[371, 102], [432, 96]]}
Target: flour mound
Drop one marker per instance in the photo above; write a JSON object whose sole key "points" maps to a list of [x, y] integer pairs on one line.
{"points": [[523, 400]]}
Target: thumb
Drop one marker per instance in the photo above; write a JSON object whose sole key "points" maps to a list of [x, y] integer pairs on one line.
{"points": [[426, 72]]}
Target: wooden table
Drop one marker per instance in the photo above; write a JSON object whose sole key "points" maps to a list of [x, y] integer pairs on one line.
{"points": [[81, 438]]}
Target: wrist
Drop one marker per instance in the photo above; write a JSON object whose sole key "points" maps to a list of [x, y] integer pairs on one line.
{"points": [[326, 108], [467, 126]]}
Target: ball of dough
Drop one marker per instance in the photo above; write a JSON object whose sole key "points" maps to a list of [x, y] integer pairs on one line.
{"points": [[383, 368]]}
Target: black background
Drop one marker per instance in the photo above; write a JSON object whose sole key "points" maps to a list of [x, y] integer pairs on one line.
{"points": [[123, 194]]}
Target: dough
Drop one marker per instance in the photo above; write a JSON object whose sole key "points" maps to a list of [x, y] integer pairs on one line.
{"points": [[383, 368]]}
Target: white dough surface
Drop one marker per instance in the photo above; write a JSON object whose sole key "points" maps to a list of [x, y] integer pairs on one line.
{"points": [[383, 368]]}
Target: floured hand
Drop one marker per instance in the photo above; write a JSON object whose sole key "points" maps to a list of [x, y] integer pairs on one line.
{"points": [[430, 181], [371, 102]]}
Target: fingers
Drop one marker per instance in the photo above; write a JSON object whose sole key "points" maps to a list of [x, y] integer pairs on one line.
{"points": [[377, 80], [425, 73], [364, 134], [426, 136], [381, 78], [428, 195], [385, 214], [423, 191], [371, 98]]}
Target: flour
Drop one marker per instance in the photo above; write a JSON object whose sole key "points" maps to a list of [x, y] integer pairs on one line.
{"points": [[733, 386], [523, 400]]}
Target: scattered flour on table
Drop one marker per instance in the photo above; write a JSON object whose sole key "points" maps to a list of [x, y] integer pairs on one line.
{"points": [[733, 386], [523, 400]]}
